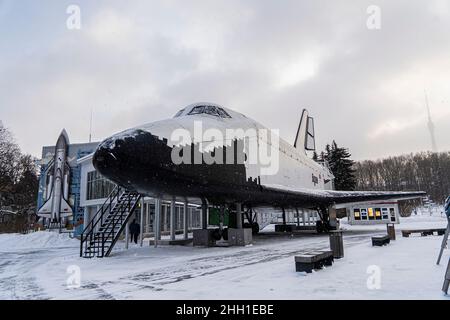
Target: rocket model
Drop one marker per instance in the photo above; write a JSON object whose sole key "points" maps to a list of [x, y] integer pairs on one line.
{"points": [[56, 204]]}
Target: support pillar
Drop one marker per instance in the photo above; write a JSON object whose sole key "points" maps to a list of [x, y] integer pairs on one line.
{"points": [[204, 214], [185, 220], [141, 223], [238, 215], [332, 216], [127, 235], [284, 215], [157, 221], [298, 217], [172, 219], [147, 218], [446, 279]]}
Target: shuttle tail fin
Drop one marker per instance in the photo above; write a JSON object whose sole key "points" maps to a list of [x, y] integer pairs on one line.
{"points": [[305, 138]]}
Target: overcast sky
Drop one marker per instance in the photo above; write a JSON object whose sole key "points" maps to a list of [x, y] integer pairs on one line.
{"points": [[135, 62]]}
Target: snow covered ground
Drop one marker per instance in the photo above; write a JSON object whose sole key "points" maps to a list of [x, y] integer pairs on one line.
{"points": [[39, 266]]}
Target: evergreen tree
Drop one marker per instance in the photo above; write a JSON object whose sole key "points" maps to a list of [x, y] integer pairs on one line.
{"points": [[315, 156], [340, 164]]}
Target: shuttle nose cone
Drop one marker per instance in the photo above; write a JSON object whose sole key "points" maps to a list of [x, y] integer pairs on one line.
{"points": [[105, 161], [131, 156], [113, 154]]}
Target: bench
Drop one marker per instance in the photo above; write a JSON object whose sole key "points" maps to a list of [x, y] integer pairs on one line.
{"points": [[313, 260], [424, 232], [285, 227], [381, 241]]}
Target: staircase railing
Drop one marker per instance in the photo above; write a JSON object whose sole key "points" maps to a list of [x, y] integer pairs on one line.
{"points": [[128, 205], [88, 234], [101, 234]]}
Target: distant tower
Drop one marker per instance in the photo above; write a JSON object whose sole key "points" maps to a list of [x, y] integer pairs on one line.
{"points": [[90, 126], [431, 126]]}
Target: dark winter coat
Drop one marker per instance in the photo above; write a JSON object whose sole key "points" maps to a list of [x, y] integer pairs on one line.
{"points": [[135, 228]]}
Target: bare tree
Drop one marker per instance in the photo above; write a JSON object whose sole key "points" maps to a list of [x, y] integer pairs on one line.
{"points": [[426, 171], [18, 174]]}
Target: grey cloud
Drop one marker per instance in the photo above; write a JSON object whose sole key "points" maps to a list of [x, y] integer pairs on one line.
{"points": [[172, 53]]}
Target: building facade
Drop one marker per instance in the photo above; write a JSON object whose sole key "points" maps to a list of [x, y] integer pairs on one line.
{"points": [[95, 190]]}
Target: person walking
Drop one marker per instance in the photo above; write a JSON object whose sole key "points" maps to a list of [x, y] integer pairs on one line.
{"points": [[135, 230]]}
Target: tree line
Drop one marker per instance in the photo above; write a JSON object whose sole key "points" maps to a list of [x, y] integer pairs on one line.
{"points": [[424, 171]]}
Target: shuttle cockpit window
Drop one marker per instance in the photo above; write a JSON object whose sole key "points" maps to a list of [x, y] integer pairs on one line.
{"points": [[211, 110], [223, 113], [179, 113]]}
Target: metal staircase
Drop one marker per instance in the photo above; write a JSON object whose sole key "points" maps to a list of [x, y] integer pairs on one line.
{"points": [[101, 234]]}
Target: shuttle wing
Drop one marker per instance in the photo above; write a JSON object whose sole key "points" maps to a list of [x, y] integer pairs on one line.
{"points": [[46, 209], [66, 209], [328, 197]]}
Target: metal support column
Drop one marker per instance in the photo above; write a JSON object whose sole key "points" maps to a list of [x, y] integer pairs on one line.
{"points": [[204, 214], [238, 215], [127, 235], [298, 217], [185, 220], [446, 279], [172, 219], [157, 221], [284, 215], [444, 242], [141, 223]]}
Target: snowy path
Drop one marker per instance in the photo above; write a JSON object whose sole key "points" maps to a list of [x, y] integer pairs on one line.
{"points": [[262, 271], [32, 274]]}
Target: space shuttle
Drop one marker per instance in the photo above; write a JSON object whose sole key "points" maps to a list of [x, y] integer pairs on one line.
{"points": [[56, 205], [146, 159]]}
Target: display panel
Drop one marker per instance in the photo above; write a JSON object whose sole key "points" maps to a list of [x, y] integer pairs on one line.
{"points": [[357, 214], [377, 213], [371, 214], [392, 214], [364, 214], [385, 213]]}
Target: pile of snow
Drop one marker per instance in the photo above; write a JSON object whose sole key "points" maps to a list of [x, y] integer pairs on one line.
{"points": [[36, 240]]}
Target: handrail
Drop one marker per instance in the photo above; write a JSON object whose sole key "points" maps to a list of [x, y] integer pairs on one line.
{"points": [[127, 205], [89, 230], [109, 200], [133, 200], [93, 241], [113, 222]]}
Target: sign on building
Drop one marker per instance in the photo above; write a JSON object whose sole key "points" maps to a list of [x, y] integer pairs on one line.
{"points": [[373, 213]]}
